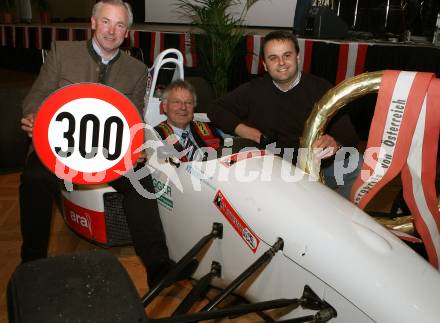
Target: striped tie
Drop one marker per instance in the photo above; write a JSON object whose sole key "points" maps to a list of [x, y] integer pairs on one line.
{"points": [[188, 145]]}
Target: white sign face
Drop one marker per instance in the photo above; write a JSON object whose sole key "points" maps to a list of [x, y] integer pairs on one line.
{"points": [[100, 140]]}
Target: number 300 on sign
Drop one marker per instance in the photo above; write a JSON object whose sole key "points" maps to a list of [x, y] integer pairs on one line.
{"points": [[90, 135]]}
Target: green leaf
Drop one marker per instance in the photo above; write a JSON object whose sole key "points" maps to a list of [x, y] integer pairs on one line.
{"points": [[222, 33]]}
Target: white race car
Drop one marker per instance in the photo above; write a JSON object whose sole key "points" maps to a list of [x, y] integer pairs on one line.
{"points": [[355, 265], [251, 223]]}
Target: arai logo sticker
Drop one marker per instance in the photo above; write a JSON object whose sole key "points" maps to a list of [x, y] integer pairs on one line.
{"points": [[88, 223], [236, 221]]}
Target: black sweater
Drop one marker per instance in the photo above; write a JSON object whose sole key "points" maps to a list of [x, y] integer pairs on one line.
{"points": [[280, 115]]}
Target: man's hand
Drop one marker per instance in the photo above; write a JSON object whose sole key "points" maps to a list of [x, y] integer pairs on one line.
{"points": [[247, 132], [328, 145], [27, 124]]}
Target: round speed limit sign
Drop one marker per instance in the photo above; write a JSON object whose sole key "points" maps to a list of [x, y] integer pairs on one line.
{"points": [[82, 133]]}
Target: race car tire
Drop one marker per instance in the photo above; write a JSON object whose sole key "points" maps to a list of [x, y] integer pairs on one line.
{"points": [[88, 287]]}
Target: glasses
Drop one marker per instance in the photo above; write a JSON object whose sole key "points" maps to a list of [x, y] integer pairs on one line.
{"points": [[180, 102]]}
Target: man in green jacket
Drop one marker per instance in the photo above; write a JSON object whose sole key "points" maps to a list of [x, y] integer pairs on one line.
{"points": [[98, 60]]}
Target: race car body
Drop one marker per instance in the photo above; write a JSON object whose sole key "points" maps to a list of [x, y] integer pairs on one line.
{"points": [[349, 260]]}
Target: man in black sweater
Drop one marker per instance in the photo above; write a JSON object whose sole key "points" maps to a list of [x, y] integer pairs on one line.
{"points": [[275, 107]]}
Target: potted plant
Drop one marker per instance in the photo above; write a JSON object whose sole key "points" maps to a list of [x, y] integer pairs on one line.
{"points": [[221, 35], [6, 8]]}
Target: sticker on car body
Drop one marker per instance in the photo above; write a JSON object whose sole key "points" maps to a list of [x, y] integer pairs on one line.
{"points": [[243, 230]]}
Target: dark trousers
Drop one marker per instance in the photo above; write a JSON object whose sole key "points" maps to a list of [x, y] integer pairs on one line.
{"points": [[38, 189]]}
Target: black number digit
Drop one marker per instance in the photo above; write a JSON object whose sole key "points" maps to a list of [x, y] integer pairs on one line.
{"points": [[67, 134], [118, 140], [83, 136], [95, 136]]}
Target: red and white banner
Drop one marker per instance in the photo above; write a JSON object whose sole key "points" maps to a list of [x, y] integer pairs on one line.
{"points": [[187, 46], [419, 174], [14, 44], [351, 60], [39, 39], [157, 44], [254, 61], [54, 34], [403, 138], [89, 33], [26, 37], [305, 54], [134, 38], [2, 36]]}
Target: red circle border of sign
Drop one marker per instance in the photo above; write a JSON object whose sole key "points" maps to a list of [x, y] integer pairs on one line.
{"points": [[79, 91]]}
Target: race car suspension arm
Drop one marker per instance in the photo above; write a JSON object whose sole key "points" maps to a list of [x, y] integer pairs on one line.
{"points": [[231, 311], [265, 258], [199, 290], [184, 263], [321, 316], [310, 300]]}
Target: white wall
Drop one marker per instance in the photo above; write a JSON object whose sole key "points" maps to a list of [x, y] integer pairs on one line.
{"points": [[265, 13]]}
